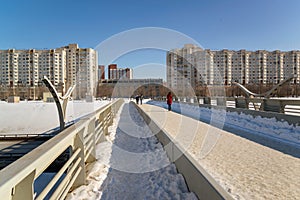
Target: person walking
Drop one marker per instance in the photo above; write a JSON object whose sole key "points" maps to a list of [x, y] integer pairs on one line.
{"points": [[169, 100], [137, 98], [141, 98]]}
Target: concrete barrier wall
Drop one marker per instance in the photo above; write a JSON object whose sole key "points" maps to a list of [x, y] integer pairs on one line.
{"points": [[197, 179]]}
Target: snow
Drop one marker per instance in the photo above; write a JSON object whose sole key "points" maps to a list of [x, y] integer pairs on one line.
{"points": [[267, 127], [131, 164], [35, 117]]}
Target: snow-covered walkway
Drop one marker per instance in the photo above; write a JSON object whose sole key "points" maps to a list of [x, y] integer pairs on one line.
{"points": [[132, 165]]}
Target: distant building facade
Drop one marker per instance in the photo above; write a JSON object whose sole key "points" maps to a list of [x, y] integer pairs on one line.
{"points": [[64, 66], [110, 68], [101, 72], [131, 87], [119, 73], [192, 65]]}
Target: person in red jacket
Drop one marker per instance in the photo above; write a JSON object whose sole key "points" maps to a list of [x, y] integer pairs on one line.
{"points": [[169, 100]]}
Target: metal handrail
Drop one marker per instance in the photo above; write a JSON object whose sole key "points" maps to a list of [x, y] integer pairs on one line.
{"points": [[57, 176]]}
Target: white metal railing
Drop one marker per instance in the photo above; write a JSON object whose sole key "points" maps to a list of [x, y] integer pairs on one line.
{"points": [[292, 110], [17, 179]]}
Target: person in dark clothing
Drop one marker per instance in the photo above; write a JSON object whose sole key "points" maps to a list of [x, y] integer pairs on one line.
{"points": [[137, 98], [141, 98], [169, 100]]}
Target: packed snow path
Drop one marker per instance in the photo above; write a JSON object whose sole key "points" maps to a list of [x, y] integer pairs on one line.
{"points": [[132, 165]]}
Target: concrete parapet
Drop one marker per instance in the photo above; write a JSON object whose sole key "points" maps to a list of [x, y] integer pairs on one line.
{"points": [[89, 98], [207, 100], [241, 103], [272, 106], [47, 96], [13, 99], [221, 101]]}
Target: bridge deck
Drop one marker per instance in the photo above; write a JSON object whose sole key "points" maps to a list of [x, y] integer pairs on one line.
{"points": [[136, 165], [244, 168]]}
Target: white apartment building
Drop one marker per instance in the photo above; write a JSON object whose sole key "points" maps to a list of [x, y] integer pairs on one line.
{"points": [[180, 66], [196, 66], [63, 66], [27, 67], [257, 72], [81, 70]]}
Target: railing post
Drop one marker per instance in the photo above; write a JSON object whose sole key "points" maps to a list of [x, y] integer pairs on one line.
{"points": [[207, 100], [24, 189], [79, 143], [282, 106], [91, 130], [110, 115], [247, 103], [107, 120], [263, 105]]}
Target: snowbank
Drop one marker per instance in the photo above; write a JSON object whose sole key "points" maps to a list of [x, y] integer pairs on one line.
{"points": [[35, 117]]}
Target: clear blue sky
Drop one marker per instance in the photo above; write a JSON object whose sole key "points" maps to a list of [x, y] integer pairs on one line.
{"points": [[215, 24]]}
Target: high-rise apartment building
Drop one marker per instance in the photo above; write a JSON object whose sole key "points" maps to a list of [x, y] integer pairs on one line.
{"points": [[81, 70], [192, 65], [27, 67], [180, 67], [63, 66]]}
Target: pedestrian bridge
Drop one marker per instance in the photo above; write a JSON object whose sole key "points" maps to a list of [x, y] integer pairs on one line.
{"points": [[176, 133], [17, 179]]}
